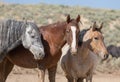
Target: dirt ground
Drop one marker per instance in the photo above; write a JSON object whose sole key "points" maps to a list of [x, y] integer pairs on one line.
{"points": [[28, 75], [60, 78]]}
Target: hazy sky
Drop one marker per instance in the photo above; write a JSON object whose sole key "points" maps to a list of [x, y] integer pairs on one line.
{"points": [[109, 4]]}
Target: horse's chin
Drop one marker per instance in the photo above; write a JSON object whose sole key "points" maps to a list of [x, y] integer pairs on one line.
{"points": [[38, 56], [37, 52], [73, 53], [103, 59]]}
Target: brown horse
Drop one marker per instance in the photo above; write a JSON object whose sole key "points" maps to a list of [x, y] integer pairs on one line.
{"points": [[81, 66], [54, 38]]}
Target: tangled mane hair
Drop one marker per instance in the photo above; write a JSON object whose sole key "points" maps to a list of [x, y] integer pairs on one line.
{"points": [[81, 35]]}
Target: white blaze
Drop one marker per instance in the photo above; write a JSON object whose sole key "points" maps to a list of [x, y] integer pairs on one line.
{"points": [[73, 45]]}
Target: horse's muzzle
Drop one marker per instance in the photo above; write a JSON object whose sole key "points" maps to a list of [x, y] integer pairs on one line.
{"points": [[39, 56], [73, 52], [106, 56]]}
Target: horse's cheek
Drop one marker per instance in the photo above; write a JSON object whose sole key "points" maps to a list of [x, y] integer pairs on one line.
{"points": [[25, 42]]}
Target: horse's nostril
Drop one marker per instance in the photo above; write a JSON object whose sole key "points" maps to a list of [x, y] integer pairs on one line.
{"points": [[106, 56], [41, 55]]}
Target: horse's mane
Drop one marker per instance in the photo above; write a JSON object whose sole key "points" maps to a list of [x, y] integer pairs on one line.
{"points": [[10, 32], [81, 35]]}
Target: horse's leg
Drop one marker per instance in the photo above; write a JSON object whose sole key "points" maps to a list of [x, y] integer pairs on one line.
{"points": [[80, 80], [8, 68], [2, 74], [75, 80], [41, 75], [5, 68], [89, 78], [69, 79], [52, 73]]}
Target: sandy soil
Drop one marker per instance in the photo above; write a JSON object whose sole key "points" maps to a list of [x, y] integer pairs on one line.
{"points": [[59, 78], [28, 75]]}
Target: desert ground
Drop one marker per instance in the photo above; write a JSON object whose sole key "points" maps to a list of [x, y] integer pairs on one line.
{"points": [[31, 75], [60, 78]]}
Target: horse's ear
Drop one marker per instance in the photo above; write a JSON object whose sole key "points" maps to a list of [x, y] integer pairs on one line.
{"points": [[78, 18], [68, 18], [94, 26], [90, 27], [25, 20], [101, 26]]}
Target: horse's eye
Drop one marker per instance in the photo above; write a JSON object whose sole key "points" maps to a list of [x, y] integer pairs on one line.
{"points": [[96, 38], [29, 32], [32, 36]]}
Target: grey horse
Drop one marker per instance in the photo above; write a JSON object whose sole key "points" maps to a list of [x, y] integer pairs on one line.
{"points": [[14, 33]]}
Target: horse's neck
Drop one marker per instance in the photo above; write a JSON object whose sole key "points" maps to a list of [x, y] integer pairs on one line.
{"points": [[60, 37], [83, 51], [85, 54], [55, 36]]}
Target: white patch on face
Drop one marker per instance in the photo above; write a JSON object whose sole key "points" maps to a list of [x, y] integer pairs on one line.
{"points": [[73, 45]]}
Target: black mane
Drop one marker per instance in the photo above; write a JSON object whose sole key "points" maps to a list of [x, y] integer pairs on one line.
{"points": [[81, 35]]}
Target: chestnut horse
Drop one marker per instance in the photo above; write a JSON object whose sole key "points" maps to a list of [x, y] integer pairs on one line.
{"points": [[81, 66], [55, 36]]}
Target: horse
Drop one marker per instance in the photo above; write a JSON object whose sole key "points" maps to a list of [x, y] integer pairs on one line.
{"points": [[14, 33], [54, 37], [91, 48]]}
